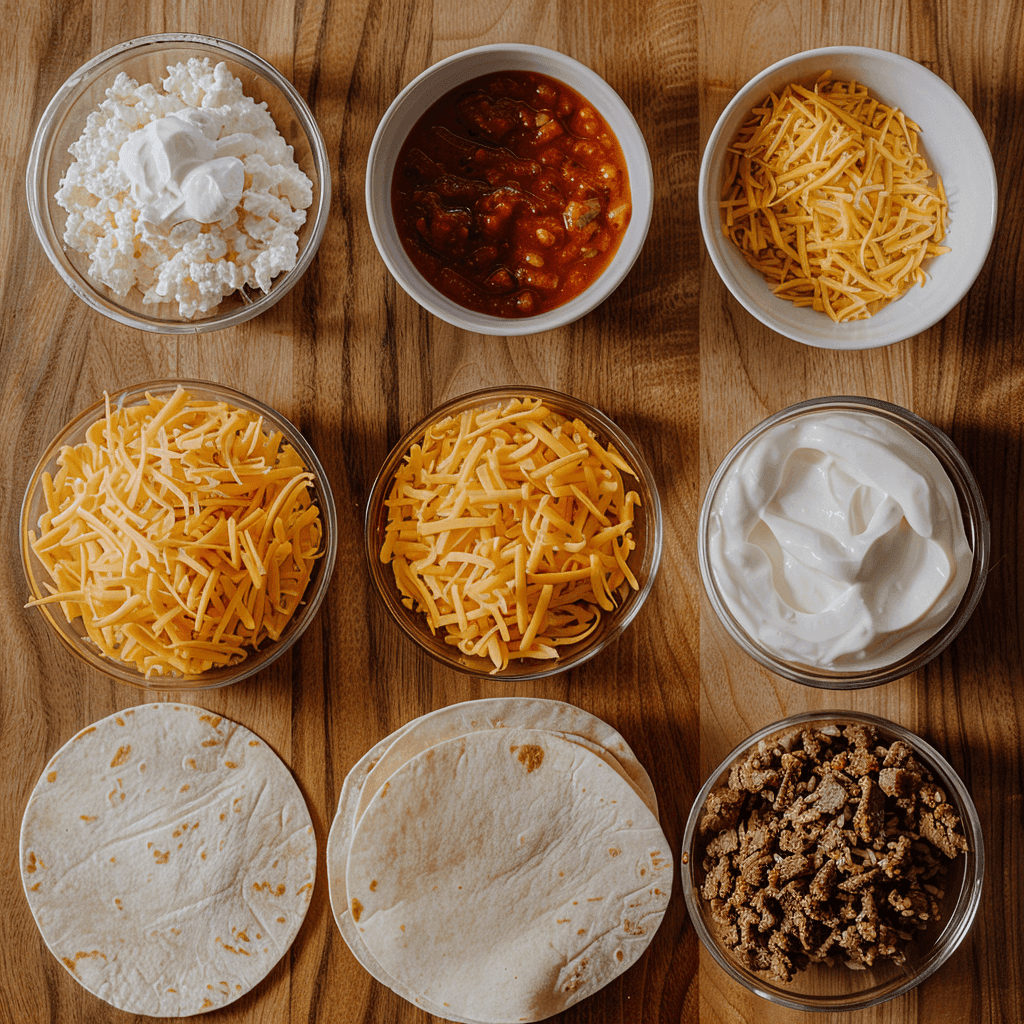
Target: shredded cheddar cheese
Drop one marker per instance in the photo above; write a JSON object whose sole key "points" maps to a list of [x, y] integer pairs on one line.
{"points": [[510, 529], [827, 195], [180, 532]]}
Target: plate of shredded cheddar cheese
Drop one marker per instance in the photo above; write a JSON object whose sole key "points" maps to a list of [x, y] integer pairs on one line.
{"points": [[514, 532], [847, 197], [178, 535]]}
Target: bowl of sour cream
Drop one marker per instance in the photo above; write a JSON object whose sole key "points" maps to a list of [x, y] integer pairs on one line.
{"points": [[844, 542]]}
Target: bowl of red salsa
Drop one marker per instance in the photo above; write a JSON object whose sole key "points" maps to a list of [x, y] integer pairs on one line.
{"points": [[509, 189]]}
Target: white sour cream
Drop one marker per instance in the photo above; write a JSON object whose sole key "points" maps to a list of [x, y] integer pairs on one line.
{"points": [[176, 173], [836, 541]]}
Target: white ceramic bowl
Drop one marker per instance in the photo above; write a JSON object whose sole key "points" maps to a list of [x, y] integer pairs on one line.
{"points": [[146, 60], [956, 149], [424, 90]]}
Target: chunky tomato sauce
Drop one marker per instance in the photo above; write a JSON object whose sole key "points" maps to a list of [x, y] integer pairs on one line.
{"points": [[511, 194]]}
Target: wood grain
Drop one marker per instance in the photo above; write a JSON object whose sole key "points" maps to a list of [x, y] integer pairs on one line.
{"points": [[671, 356]]}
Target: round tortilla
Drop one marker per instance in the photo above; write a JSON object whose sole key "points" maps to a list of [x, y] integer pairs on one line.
{"points": [[504, 713], [168, 858], [387, 755], [453, 720], [506, 874]]}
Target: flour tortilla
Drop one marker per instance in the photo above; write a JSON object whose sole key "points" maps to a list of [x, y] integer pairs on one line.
{"points": [[377, 764], [374, 767], [506, 874], [168, 858], [502, 713]]}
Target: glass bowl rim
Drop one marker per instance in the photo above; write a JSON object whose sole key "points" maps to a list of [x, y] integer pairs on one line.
{"points": [[955, 928], [605, 428], [38, 198], [255, 661], [976, 523]]}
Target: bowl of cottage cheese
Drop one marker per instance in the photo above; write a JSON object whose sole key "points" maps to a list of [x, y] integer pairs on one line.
{"points": [[179, 183]]}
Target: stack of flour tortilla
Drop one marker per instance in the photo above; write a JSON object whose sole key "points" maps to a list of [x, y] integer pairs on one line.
{"points": [[498, 860], [168, 858]]}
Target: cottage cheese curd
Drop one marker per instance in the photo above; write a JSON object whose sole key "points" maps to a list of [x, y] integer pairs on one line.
{"points": [[189, 194], [836, 541]]}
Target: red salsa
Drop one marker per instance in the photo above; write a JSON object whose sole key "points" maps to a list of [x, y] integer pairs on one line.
{"points": [[511, 194]]}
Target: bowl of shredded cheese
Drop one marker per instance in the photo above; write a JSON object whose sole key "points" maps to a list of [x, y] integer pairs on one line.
{"points": [[514, 532], [178, 535], [847, 197], [178, 183]]}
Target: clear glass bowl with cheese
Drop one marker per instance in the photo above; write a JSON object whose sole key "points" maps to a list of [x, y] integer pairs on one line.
{"points": [[843, 542], [516, 574], [182, 255], [117, 556]]}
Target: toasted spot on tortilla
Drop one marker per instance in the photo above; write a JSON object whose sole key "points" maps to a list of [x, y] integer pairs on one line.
{"points": [[87, 817], [258, 886], [618, 954], [373, 886], [531, 756], [613, 852], [51, 777], [230, 764], [122, 755], [232, 949], [357, 909], [87, 729], [161, 858]]}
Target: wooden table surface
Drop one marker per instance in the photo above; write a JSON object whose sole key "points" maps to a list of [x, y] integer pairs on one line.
{"points": [[671, 356]]}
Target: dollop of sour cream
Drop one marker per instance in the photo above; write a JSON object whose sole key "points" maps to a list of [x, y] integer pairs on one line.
{"points": [[836, 541], [176, 172]]}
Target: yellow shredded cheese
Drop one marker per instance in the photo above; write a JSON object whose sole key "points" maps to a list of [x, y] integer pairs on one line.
{"points": [[180, 532], [510, 529], [827, 195]]}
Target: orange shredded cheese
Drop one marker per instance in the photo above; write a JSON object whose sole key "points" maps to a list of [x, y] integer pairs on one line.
{"points": [[180, 532], [510, 529], [827, 195]]}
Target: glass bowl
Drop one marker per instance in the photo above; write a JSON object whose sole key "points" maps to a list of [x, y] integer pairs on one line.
{"points": [[956, 149], [73, 635], [837, 988], [146, 60], [740, 624], [424, 90], [642, 561]]}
